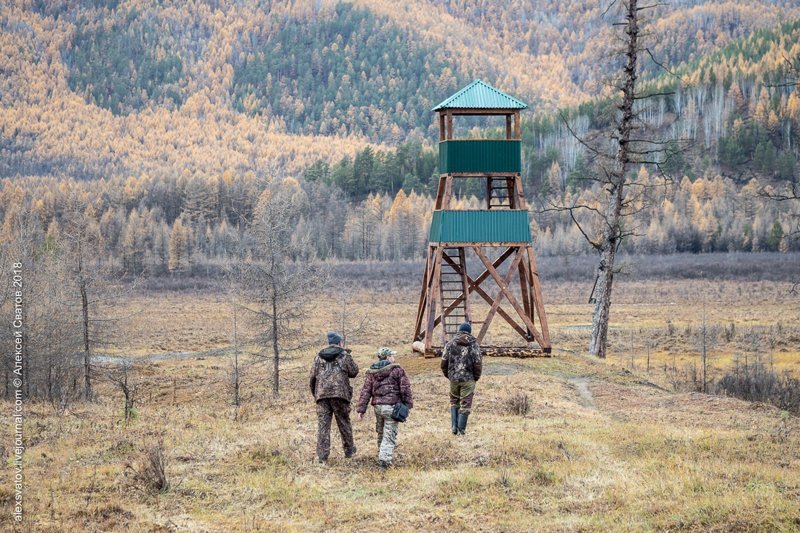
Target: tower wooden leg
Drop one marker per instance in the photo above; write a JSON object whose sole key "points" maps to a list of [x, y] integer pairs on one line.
{"points": [[432, 292]]}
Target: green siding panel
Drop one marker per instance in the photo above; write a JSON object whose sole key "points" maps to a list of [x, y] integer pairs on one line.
{"points": [[480, 156], [507, 225], [480, 95]]}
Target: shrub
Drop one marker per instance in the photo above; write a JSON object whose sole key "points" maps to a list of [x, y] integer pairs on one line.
{"points": [[518, 404], [150, 475], [757, 383]]}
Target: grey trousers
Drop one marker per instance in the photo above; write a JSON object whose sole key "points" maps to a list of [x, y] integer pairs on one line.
{"points": [[387, 432]]}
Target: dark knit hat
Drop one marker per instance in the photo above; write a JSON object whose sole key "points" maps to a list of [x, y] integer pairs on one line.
{"points": [[466, 328], [334, 338]]}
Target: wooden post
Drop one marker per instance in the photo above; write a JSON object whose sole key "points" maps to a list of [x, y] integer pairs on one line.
{"points": [[432, 292], [520, 198], [426, 280], [517, 126], [440, 192], [441, 127], [523, 285], [441, 299], [508, 126], [539, 302], [448, 192], [449, 124]]}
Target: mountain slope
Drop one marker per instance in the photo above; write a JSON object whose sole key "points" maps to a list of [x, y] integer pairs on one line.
{"points": [[96, 88]]}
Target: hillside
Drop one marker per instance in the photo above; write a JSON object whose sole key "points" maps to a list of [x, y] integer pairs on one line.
{"points": [[119, 88], [148, 115]]}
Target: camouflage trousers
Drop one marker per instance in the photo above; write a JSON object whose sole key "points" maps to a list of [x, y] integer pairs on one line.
{"points": [[327, 408], [387, 432], [461, 395]]}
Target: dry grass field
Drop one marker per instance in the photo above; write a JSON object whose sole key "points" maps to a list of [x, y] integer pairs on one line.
{"points": [[662, 317], [603, 444]]}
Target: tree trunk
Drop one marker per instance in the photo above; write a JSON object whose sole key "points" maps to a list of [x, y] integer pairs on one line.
{"points": [[236, 399], [87, 378], [275, 353], [605, 279], [50, 378], [612, 232], [705, 347], [87, 367]]}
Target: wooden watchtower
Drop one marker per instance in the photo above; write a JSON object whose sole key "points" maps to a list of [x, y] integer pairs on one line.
{"points": [[449, 292]]}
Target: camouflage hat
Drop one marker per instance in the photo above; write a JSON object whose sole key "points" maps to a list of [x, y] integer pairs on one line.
{"points": [[385, 352]]}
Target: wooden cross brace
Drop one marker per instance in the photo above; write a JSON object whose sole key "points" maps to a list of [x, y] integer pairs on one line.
{"points": [[472, 285], [504, 292]]}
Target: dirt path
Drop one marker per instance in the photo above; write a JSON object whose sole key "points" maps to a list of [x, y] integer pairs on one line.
{"points": [[581, 385], [119, 359]]}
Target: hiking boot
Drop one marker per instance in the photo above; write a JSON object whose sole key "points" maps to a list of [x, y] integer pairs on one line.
{"points": [[350, 453], [383, 465], [454, 418], [462, 423], [320, 461]]}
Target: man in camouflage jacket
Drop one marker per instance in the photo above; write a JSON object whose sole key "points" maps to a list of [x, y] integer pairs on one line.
{"points": [[330, 384], [462, 364]]}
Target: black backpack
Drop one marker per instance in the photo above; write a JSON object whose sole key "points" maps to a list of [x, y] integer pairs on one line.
{"points": [[400, 412]]}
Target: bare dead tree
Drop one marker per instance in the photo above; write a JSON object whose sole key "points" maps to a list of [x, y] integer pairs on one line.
{"points": [[615, 179], [788, 192], [88, 293], [50, 338], [235, 371], [348, 325], [707, 336], [611, 218], [233, 286], [279, 278], [81, 234], [122, 377]]}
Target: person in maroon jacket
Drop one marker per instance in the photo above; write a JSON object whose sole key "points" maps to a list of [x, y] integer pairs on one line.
{"points": [[386, 384]]}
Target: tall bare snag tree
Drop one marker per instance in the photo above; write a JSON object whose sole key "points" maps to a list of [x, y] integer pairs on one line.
{"points": [[613, 229], [614, 157]]}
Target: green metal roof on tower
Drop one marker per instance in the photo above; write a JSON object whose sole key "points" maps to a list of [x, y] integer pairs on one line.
{"points": [[480, 95]]}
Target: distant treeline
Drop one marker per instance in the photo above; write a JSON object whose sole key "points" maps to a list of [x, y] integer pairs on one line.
{"points": [[162, 225]]}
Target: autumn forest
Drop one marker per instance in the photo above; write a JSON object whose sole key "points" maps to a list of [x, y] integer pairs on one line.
{"points": [[197, 196]]}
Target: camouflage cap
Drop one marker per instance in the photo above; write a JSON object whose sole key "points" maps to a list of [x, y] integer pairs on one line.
{"points": [[384, 352]]}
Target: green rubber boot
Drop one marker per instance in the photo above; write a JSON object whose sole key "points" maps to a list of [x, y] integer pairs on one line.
{"points": [[454, 418], [462, 423]]}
